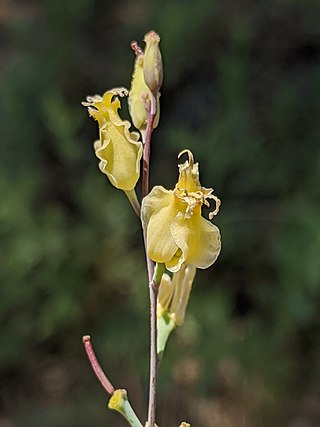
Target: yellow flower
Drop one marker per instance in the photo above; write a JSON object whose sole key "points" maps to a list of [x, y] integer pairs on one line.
{"points": [[176, 232], [174, 293], [118, 149]]}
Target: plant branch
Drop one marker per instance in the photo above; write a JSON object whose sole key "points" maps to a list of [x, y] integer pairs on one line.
{"points": [[147, 146], [106, 384], [153, 294], [153, 288]]}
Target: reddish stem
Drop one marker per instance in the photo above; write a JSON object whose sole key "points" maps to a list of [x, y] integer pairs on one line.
{"points": [[147, 147], [106, 384]]}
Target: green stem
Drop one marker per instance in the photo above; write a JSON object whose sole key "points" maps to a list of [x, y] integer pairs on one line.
{"points": [[130, 415], [119, 402], [158, 272], [147, 146]]}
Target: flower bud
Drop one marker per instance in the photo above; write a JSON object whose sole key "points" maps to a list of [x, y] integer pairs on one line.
{"points": [[152, 64], [139, 95]]}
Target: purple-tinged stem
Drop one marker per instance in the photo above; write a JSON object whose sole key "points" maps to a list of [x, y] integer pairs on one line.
{"points": [[147, 147], [106, 384], [153, 288]]}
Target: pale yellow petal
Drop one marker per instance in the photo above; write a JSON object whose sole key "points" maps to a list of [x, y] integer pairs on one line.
{"points": [[181, 233], [98, 106], [198, 239], [157, 118], [177, 284], [157, 213], [166, 291], [139, 95], [119, 156], [188, 174], [118, 149], [180, 300], [176, 261]]}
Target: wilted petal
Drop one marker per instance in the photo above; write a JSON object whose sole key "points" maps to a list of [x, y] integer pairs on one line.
{"points": [[140, 96]]}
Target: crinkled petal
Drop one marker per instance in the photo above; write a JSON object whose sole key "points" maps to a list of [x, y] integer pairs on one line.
{"points": [[119, 155], [157, 213], [118, 149], [198, 239], [98, 106]]}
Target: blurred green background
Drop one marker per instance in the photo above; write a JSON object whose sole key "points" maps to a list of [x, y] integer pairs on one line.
{"points": [[241, 90]]}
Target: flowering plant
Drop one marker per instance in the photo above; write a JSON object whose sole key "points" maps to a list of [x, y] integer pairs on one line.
{"points": [[177, 238]]}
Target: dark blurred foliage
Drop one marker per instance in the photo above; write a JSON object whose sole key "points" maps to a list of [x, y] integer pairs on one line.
{"points": [[242, 84]]}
